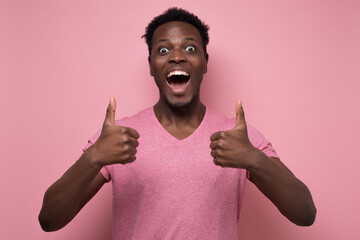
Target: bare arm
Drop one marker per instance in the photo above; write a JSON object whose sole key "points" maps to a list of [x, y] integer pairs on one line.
{"points": [[232, 148], [68, 195], [289, 194], [65, 198]]}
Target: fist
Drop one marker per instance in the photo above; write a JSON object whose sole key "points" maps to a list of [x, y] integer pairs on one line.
{"points": [[116, 144], [232, 148]]}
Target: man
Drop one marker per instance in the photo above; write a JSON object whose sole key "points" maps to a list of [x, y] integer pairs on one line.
{"points": [[179, 187]]}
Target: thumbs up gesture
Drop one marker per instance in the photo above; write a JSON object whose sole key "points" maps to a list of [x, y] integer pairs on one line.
{"points": [[116, 144], [232, 148]]}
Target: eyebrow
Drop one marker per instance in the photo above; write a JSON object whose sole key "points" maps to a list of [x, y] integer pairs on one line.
{"points": [[163, 40], [168, 40]]}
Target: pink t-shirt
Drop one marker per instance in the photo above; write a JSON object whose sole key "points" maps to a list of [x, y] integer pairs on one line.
{"points": [[174, 190]]}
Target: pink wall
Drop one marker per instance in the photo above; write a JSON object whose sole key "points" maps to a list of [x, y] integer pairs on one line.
{"points": [[295, 64]]}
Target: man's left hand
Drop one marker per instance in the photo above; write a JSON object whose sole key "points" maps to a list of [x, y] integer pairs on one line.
{"points": [[232, 148]]}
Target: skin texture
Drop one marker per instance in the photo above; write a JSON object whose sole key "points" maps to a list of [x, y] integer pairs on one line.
{"points": [[176, 46]]}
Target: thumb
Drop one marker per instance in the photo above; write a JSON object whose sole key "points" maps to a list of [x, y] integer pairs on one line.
{"points": [[110, 112], [240, 118]]}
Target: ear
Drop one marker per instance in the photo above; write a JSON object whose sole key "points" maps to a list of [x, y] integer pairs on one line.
{"points": [[206, 62], [149, 61]]}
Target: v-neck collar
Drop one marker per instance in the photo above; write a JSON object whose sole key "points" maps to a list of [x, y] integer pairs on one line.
{"points": [[173, 138]]}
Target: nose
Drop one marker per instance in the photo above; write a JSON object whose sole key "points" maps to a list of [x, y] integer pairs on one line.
{"points": [[177, 56]]}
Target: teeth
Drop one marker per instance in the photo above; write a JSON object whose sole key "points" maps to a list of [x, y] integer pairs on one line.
{"points": [[178, 73]]}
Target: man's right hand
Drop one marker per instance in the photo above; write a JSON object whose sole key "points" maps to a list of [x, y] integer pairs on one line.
{"points": [[116, 144]]}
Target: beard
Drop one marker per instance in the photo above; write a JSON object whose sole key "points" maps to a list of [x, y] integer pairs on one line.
{"points": [[181, 108]]}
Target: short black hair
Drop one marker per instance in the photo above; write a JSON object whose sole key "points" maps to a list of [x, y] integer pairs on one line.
{"points": [[176, 14]]}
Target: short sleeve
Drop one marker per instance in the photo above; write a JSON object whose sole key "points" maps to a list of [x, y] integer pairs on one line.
{"points": [[104, 171], [91, 141], [260, 142]]}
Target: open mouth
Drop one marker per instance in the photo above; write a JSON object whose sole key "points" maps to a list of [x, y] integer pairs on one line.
{"points": [[177, 77], [178, 81]]}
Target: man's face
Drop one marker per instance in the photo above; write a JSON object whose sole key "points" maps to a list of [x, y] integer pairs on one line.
{"points": [[177, 62]]}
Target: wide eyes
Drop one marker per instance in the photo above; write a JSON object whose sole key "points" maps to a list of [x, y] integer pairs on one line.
{"points": [[189, 49], [163, 50]]}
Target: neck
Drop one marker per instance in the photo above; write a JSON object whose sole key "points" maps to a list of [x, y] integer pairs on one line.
{"points": [[187, 117]]}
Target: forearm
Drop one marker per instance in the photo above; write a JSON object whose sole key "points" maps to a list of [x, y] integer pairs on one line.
{"points": [[289, 194], [64, 199]]}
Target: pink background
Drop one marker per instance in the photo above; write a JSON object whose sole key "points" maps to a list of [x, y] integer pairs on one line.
{"points": [[295, 64]]}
